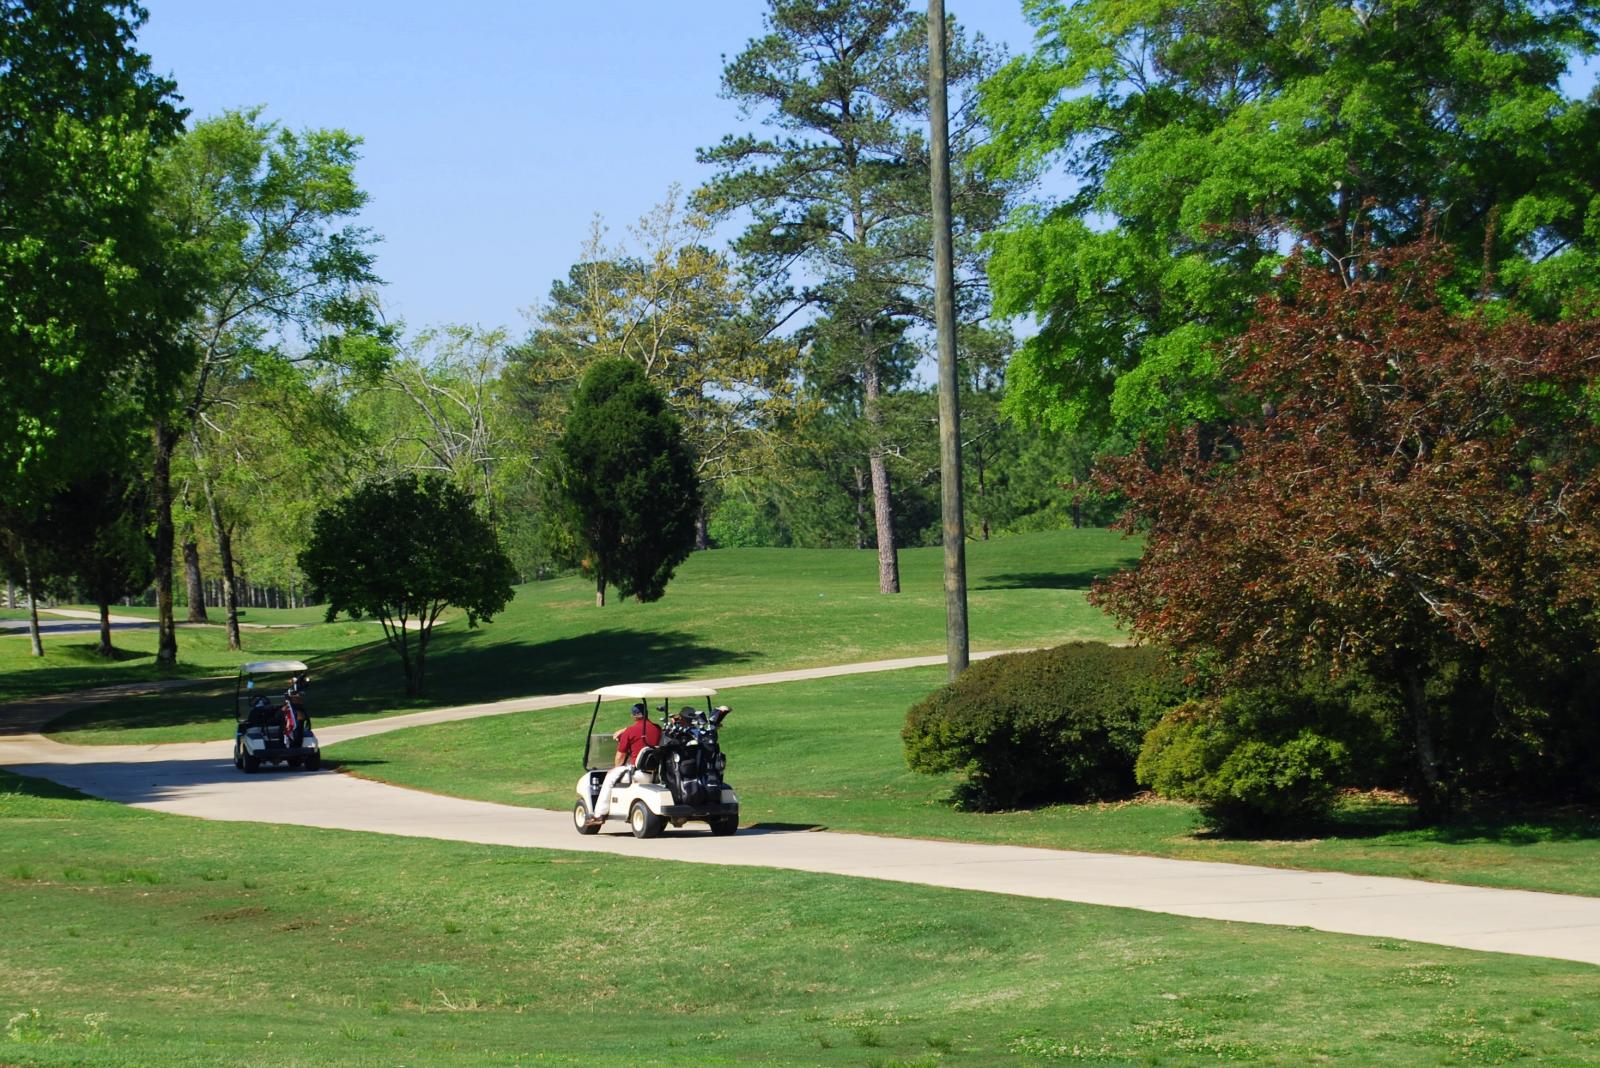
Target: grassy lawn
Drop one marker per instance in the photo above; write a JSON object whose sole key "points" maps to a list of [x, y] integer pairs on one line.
{"points": [[828, 753], [71, 662], [730, 611], [139, 939]]}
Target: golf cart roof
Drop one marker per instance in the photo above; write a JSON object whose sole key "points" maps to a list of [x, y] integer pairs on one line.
{"points": [[264, 667], [639, 691]]}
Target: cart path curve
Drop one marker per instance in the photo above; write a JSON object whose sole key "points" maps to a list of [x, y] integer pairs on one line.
{"points": [[198, 779]]}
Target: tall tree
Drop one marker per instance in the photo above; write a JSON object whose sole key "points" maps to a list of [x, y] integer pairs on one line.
{"points": [[1200, 138], [287, 279], [625, 479], [840, 192], [90, 287], [451, 420], [669, 302]]}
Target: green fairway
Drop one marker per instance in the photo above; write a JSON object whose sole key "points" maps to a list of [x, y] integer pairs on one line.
{"points": [[72, 663], [827, 753], [729, 612], [139, 939]]}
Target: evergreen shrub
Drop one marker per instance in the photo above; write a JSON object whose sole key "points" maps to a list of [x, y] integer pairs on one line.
{"points": [[1062, 724], [1254, 760]]}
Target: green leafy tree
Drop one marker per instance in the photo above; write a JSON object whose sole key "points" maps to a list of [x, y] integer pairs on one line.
{"points": [[626, 483], [287, 281], [1202, 138], [674, 305], [91, 288], [402, 551], [839, 192]]}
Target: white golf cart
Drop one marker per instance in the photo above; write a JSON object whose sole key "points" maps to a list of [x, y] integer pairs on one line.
{"points": [[273, 729], [678, 781]]}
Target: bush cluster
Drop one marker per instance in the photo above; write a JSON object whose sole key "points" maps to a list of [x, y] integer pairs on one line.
{"points": [[1089, 722], [1062, 724], [1254, 760]]}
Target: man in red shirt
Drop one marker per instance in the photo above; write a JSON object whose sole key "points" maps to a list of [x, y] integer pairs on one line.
{"points": [[632, 740]]}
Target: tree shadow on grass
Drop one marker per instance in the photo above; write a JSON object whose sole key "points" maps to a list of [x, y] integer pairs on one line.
{"points": [[142, 782], [463, 667], [1511, 826], [1050, 580]]}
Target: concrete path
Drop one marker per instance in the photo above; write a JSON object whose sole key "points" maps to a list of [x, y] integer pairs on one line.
{"points": [[199, 779], [78, 621], [72, 621]]}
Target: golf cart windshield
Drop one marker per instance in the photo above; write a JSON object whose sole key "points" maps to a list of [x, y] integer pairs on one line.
{"points": [[248, 687], [600, 749]]}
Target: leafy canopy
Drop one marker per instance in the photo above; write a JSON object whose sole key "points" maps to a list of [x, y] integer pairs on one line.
{"points": [[402, 551], [1413, 490], [90, 288], [671, 303], [1202, 138]]}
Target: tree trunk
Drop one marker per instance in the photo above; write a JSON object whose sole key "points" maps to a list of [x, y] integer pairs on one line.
{"points": [[194, 587], [105, 649], [423, 630], [702, 529], [983, 492], [599, 591], [401, 640], [861, 508], [1432, 796], [230, 588], [36, 645], [11, 594], [166, 438], [882, 507]]}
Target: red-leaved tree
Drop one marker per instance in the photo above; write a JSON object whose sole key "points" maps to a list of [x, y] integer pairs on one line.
{"points": [[1417, 485]]}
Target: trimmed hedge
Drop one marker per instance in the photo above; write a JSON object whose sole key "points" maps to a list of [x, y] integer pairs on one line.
{"points": [[1062, 724], [1253, 760]]}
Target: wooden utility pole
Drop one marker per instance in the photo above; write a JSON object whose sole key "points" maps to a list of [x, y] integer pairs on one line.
{"points": [[944, 303]]}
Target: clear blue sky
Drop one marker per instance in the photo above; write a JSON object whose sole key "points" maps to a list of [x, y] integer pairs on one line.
{"points": [[494, 130]]}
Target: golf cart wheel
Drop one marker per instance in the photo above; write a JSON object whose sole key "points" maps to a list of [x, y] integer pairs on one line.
{"points": [[252, 763], [313, 762], [645, 824], [723, 825], [580, 819], [238, 754]]}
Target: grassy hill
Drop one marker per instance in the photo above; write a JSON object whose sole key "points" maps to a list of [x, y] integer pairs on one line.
{"points": [[729, 611]]}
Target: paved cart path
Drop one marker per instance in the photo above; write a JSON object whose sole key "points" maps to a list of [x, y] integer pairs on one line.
{"points": [[198, 779]]}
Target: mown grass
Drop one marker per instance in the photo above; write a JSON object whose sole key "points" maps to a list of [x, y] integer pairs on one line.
{"points": [[728, 612], [828, 753], [72, 662], [137, 939]]}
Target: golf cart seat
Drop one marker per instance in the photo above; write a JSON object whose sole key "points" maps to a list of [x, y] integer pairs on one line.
{"points": [[646, 765], [263, 713], [643, 770]]}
